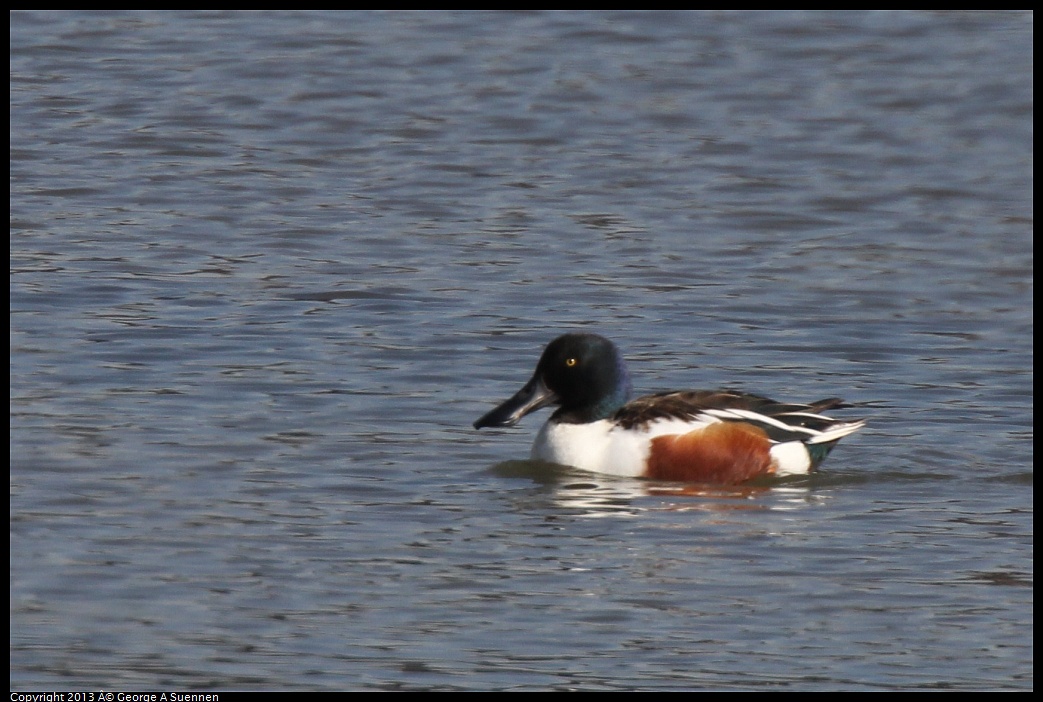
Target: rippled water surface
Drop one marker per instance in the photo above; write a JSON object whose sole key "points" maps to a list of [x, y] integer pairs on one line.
{"points": [[267, 269]]}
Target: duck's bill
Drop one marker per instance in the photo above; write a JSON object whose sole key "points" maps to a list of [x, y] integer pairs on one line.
{"points": [[529, 399]]}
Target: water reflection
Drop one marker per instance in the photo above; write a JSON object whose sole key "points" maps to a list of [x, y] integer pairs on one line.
{"points": [[592, 495]]}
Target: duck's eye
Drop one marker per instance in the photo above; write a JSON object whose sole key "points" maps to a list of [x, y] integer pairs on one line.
{"points": [[570, 362]]}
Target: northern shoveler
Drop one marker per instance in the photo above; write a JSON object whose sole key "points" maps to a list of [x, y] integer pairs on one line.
{"points": [[704, 436]]}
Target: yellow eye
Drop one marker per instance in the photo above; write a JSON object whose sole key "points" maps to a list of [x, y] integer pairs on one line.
{"points": [[570, 362]]}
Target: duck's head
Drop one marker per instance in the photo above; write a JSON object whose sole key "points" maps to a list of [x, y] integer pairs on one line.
{"points": [[583, 373]]}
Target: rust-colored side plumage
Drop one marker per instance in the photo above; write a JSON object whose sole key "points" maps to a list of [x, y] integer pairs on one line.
{"points": [[722, 453]]}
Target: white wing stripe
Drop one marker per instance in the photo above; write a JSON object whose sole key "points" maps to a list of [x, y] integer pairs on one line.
{"points": [[832, 433], [837, 432], [755, 417]]}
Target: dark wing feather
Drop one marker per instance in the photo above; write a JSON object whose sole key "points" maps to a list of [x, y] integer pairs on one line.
{"points": [[689, 404]]}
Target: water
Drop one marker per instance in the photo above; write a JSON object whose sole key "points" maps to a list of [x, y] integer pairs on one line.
{"points": [[267, 268]]}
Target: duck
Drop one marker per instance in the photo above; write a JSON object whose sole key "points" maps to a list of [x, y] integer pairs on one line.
{"points": [[718, 437]]}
